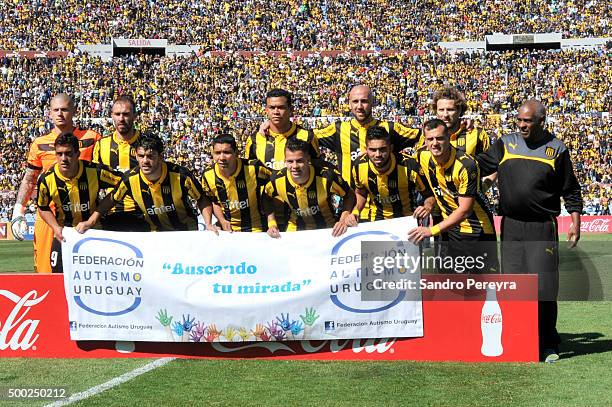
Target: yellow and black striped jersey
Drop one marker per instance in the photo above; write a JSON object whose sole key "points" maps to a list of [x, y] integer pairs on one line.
{"points": [[348, 140], [459, 177], [391, 193], [165, 203], [270, 149], [310, 204], [239, 195], [471, 142], [74, 199], [116, 153], [120, 155]]}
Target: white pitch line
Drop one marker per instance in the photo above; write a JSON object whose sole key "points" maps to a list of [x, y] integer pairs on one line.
{"points": [[111, 383]]}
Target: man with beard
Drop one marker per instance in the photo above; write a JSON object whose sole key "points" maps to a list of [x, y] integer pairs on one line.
{"points": [[117, 152]]}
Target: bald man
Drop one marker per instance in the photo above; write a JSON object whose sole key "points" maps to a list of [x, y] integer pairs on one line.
{"points": [[534, 172], [40, 158]]}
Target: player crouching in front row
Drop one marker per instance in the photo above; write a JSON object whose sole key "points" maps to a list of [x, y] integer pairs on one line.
{"points": [[71, 186], [161, 189], [307, 189]]}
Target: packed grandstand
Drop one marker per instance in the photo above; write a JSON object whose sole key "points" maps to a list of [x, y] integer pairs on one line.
{"points": [[188, 100]]}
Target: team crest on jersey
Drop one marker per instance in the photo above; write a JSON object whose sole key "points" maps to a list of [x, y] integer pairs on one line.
{"points": [[241, 184], [550, 152], [166, 189], [392, 183], [312, 195], [461, 142], [83, 186], [132, 152], [448, 177]]}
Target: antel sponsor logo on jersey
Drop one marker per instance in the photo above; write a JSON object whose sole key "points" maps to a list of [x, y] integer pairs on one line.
{"points": [[106, 276], [597, 225], [16, 331], [235, 204], [159, 210], [381, 345], [72, 207]]}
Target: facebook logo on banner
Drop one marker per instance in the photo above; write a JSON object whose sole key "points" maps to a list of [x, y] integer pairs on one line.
{"points": [[330, 325], [73, 325]]}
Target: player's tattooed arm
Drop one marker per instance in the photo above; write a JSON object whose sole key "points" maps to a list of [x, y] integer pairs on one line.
{"points": [[28, 183]]}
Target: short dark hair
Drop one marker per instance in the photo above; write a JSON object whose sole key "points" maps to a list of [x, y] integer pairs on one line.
{"points": [[67, 139], [295, 144], [150, 141], [277, 93], [126, 99], [225, 139], [378, 133], [433, 124], [450, 94]]}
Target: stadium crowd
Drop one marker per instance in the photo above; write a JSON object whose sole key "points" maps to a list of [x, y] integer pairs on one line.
{"points": [[190, 100], [290, 24]]}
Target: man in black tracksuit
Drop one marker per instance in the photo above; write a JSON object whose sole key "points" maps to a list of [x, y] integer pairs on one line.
{"points": [[534, 172]]}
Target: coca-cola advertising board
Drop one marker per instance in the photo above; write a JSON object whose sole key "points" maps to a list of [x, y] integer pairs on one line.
{"points": [[502, 328], [588, 223]]}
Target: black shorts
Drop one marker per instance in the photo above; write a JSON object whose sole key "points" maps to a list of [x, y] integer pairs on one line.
{"points": [[125, 222], [475, 253], [56, 257]]}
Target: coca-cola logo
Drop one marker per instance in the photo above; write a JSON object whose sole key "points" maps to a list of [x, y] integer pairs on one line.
{"points": [[492, 318], [597, 225], [381, 345], [16, 331]]}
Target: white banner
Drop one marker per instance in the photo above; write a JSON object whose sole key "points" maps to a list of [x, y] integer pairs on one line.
{"points": [[196, 286]]}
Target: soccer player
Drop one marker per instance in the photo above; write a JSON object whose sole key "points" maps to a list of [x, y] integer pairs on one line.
{"points": [[389, 180], [450, 105], [162, 190], [235, 184], [535, 170], [308, 189], [117, 151], [269, 146], [40, 158], [347, 139], [454, 177], [72, 186]]}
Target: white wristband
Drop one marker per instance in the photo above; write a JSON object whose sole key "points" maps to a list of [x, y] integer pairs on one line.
{"points": [[18, 210]]}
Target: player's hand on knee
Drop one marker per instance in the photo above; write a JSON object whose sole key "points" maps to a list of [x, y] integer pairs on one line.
{"points": [[19, 227]]}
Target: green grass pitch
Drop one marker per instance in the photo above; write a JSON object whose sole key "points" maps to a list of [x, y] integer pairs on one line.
{"points": [[582, 377]]}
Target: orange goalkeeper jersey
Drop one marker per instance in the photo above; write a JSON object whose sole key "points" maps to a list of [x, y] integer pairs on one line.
{"points": [[42, 151]]}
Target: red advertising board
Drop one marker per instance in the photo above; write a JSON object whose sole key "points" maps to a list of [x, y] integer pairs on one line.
{"points": [[34, 323], [3, 230], [588, 223]]}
